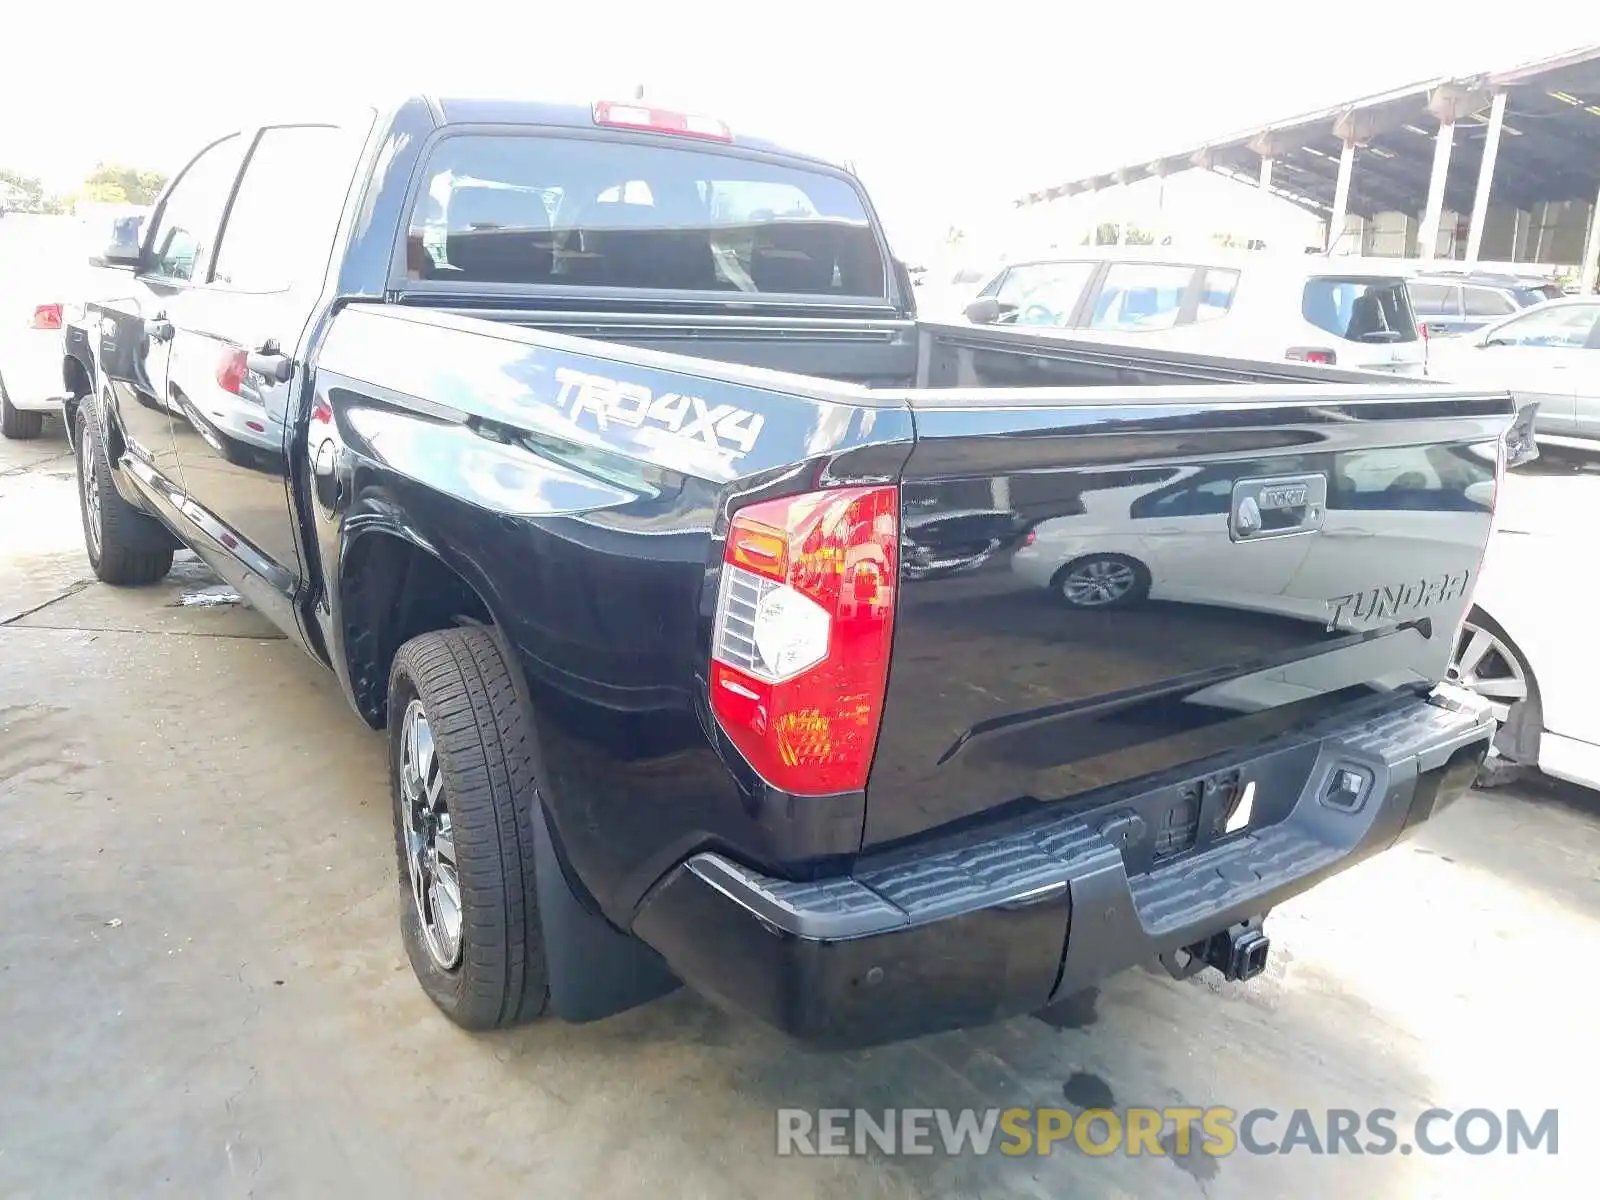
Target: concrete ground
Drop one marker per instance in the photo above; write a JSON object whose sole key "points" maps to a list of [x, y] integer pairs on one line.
{"points": [[203, 993]]}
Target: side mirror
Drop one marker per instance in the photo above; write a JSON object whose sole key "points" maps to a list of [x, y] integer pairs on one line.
{"points": [[985, 310], [122, 251]]}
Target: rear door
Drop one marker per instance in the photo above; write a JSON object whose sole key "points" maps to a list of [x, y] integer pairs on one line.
{"points": [[1483, 305], [135, 325], [1437, 307], [236, 330], [1143, 297]]}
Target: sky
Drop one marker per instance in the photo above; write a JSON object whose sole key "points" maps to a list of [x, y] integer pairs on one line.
{"points": [[947, 110]]}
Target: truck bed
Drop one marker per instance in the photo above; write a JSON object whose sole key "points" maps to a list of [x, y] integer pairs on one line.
{"points": [[1018, 456]]}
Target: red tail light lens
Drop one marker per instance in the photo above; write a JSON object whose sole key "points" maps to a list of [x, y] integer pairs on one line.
{"points": [[800, 649], [46, 316], [231, 370], [1312, 354]]}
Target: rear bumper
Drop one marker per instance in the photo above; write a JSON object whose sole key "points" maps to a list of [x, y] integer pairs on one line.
{"points": [[1003, 922], [30, 365]]}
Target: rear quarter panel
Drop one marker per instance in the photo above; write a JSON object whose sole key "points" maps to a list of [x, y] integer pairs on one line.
{"points": [[593, 533]]}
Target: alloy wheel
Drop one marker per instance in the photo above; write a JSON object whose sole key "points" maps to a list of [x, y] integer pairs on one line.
{"points": [[1485, 664], [1098, 582], [430, 846]]}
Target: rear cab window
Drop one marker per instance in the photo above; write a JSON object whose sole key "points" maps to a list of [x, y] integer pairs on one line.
{"points": [[1374, 311], [569, 211]]}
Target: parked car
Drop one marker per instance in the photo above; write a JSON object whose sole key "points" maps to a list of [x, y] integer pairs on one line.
{"points": [[1521, 647], [671, 689], [1549, 354], [1156, 539], [1449, 303], [1345, 312], [37, 305]]}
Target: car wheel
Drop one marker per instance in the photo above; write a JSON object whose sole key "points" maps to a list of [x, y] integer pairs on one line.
{"points": [[1103, 581], [1488, 662], [461, 775], [125, 546], [14, 423]]}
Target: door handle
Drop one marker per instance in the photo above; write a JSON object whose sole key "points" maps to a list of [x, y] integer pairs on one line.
{"points": [[269, 363], [158, 329]]}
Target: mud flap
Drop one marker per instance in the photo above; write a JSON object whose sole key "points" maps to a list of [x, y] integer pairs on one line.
{"points": [[595, 970]]}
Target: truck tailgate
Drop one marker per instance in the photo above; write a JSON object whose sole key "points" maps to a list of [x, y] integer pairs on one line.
{"points": [[1097, 587]]}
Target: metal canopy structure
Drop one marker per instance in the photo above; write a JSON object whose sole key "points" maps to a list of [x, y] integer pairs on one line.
{"points": [[1528, 136]]}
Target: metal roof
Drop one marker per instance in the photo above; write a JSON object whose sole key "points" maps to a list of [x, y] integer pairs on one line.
{"points": [[1549, 150]]}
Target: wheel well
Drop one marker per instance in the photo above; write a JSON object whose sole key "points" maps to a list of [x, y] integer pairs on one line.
{"points": [[76, 378], [391, 590]]}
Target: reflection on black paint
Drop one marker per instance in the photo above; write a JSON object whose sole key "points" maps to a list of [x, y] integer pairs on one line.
{"points": [[1003, 692]]}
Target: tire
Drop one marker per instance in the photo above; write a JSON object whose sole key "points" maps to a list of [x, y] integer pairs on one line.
{"points": [[15, 424], [125, 546], [453, 687], [1126, 582], [1516, 742]]}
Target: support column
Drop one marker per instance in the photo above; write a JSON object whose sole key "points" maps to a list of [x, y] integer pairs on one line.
{"points": [[1480, 199], [1265, 182], [1429, 247], [1591, 248], [1341, 195]]}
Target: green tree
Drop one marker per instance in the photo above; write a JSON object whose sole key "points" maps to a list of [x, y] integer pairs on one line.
{"points": [[26, 190], [112, 183]]}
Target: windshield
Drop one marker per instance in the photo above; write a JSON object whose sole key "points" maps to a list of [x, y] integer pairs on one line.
{"points": [[1360, 310], [588, 212]]}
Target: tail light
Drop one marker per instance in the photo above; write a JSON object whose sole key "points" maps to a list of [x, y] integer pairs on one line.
{"points": [[1312, 354], [232, 367], [659, 120], [800, 648], [46, 316]]}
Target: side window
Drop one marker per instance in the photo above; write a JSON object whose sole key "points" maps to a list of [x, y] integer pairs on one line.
{"points": [[280, 229], [193, 210], [1216, 294], [1486, 302], [1044, 293], [1568, 327], [1141, 297], [1435, 299], [1205, 498]]}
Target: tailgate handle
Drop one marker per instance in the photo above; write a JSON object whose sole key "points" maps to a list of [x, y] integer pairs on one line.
{"points": [[1277, 507]]}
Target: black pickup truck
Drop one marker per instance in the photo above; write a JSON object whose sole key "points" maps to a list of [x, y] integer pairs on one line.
{"points": [[731, 626]]}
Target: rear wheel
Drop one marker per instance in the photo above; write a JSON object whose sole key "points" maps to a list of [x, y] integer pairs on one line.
{"points": [[461, 774], [1488, 662], [1103, 581], [125, 546], [16, 424]]}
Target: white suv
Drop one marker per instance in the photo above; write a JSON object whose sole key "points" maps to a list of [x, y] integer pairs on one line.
{"points": [[1344, 312]]}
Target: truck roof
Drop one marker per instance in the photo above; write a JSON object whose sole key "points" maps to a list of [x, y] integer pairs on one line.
{"points": [[474, 111], [470, 110]]}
